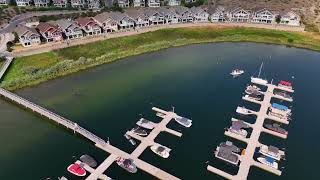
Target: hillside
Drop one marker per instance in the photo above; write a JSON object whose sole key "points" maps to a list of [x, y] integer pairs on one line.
{"points": [[309, 9]]}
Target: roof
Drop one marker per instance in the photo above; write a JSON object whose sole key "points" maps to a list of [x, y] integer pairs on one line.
{"points": [[102, 17], [63, 23], [22, 30], [83, 21], [135, 13], [273, 149], [43, 26], [181, 9], [196, 10]]}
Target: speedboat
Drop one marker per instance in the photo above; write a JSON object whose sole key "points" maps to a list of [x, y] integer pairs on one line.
{"points": [[272, 152], [127, 164], [88, 160], [76, 169], [162, 151], [237, 72], [243, 110], [276, 128], [253, 96], [252, 89], [285, 84], [139, 131], [183, 121], [133, 142], [268, 161], [145, 124]]}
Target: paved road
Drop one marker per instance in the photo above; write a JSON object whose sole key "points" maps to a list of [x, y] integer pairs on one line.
{"points": [[22, 17]]}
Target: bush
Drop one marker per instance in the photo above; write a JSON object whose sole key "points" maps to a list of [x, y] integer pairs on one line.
{"points": [[290, 40]]}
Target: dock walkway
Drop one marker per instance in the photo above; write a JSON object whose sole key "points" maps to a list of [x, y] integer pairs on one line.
{"points": [[5, 66], [246, 160]]}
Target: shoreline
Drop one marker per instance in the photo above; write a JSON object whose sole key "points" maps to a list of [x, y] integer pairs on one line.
{"points": [[70, 60]]}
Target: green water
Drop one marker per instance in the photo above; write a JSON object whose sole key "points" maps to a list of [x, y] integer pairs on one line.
{"points": [[109, 99]]}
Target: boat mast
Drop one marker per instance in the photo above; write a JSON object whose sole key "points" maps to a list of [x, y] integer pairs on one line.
{"points": [[260, 70]]}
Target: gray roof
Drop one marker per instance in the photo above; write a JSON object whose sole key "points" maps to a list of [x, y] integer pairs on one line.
{"points": [[103, 17], [228, 146], [63, 23], [135, 13], [181, 9], [196, 10], [273, 149], [22, 30]]}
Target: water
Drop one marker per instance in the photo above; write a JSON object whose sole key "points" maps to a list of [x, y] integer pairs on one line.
{"points": [[109, 99]]}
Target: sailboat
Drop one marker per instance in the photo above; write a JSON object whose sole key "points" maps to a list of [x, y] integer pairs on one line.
{"points": [[259, 80]]}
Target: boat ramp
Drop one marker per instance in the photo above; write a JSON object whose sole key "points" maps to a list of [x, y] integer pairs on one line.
{"points": [[247, 159]]}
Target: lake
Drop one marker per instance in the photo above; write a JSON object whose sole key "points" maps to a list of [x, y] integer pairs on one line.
{"points": [[109, 99]]}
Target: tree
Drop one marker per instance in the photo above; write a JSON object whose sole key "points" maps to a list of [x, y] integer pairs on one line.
{"points": [[278, 19]]}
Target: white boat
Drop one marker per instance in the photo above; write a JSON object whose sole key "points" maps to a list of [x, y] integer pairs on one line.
{"points": [[240, 132], [268, 161], [183, 121], [252, 89], [272, 152], [139, 131], [237, 72], [254, 97], [133, 142], [259, 80], [145, 123], [160, 150], [243, 110]]}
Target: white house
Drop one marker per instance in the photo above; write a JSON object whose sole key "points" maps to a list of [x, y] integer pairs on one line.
{"points": [[218, 14], [78, 3], [60, 3], [70, 29], [170, 16], [155, 18], [27, 36], [263, 16], [123, 20], [153, 3], [4, 2], [94, 4], [49, 31], [139, 3], [89, 26], [174, 2], [239, 15], [23, 2], [290, 18], [123, 3], [105, 21], [140, 19], [184, 14], [199, 14], [41, 3]]}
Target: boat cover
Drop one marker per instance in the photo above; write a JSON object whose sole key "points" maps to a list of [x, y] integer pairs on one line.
{"points": [[279, 106], [285, 83], [269, 159]]}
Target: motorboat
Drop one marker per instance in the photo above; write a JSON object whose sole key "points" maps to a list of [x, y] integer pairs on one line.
{"points": [[127, 164], [285, 84], [283, 94], [278, 114], [160, 150], [259, 80], [243, 110], [268, 161], [276, 128], [139, 131], [88, 160], [253, 96], [183, 121], [132, 141], [237, 72], [252, 89], [272, 152], [76, 169], [226, 152], [145, 124]]}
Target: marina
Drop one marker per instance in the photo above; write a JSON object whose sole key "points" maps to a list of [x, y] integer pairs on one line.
{"points": [[247, 160]]}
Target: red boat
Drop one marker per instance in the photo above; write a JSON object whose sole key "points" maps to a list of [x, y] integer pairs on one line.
{"points": [[285, 84], [76, 169]]}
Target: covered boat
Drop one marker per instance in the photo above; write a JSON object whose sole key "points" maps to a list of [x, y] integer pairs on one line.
{"points": [[272, 152], [243, 110], [127, 164], [88, 160], [226, 151], [145, 124], [237, 127], [268, 161], [276, 128], [139, 131], [183, 121], [280, 107], [285, 84], [160, 150], [76, 169]]}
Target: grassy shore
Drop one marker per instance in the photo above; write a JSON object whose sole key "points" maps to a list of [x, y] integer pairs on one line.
{"points": [[31, 70]]}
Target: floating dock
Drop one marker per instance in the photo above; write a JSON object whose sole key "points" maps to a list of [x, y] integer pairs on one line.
{"points": [[246, 160]]}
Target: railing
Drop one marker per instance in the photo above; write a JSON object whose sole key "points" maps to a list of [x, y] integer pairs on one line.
{"points": [[55, 117]]}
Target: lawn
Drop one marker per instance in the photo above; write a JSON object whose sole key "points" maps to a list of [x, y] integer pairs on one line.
{"points": [[31, 70]]}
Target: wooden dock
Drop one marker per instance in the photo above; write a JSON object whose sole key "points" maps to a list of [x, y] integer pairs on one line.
{"points": [[5, 66], [246, 160]]}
